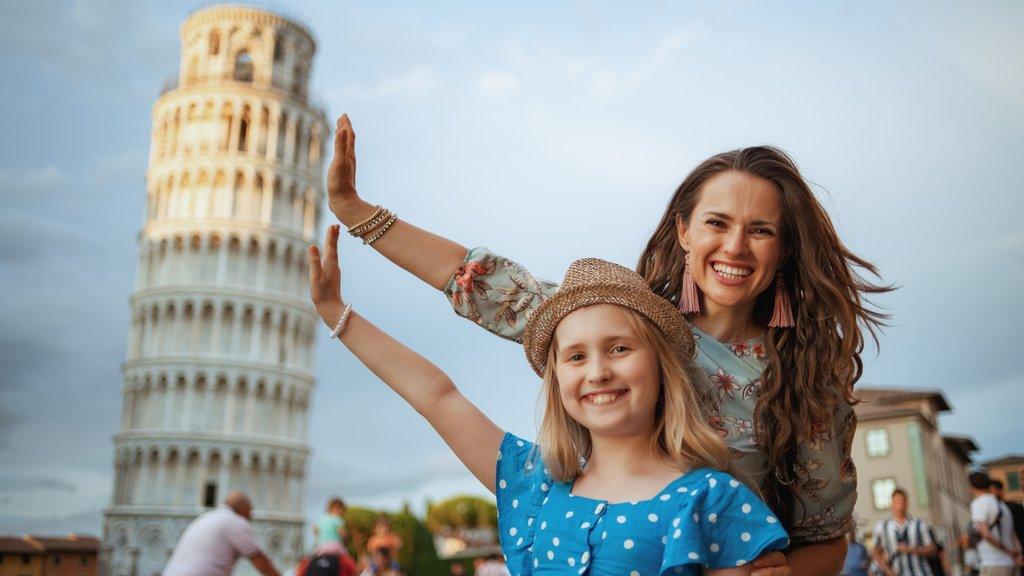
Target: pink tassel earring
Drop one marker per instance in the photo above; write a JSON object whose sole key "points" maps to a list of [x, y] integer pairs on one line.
{"points": [[782, 316], [689, 301]]}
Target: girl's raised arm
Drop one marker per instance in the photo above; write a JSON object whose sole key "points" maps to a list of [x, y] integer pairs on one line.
{"points": [[466, 430]]}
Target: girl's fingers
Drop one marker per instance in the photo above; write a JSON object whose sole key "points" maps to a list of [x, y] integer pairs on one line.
{"points": [[313, 254], [341, 144], [331, 244]]}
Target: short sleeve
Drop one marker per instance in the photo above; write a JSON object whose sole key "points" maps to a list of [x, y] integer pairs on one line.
{"points": [[825, 490], [242, 540], [496, 293], [981, 511], [522, 483], [721, 524], [927, 538]]}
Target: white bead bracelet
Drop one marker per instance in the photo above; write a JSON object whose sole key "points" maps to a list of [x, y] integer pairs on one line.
{"points": [[341, 321]]}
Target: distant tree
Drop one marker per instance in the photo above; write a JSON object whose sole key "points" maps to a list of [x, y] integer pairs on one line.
{"points": [[461, 512], [359, 526]]}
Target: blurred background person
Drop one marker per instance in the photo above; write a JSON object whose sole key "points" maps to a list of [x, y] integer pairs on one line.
{"points": [[903, 542], [857, 558], [212, 543]]}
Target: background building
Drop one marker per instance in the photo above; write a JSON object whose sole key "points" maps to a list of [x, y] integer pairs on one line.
{"points": [[898, 444], [218, 373], [1009, 469], [49, 556]]}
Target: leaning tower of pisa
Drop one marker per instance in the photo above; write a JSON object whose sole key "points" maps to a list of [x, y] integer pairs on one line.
{"points": [[218, 373]]}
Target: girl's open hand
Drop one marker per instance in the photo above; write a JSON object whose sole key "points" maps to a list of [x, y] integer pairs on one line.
{"points": [[341, 174], [325, 278]]}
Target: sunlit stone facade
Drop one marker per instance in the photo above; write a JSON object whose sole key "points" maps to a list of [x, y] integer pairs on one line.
{"points": [[218, 374]]}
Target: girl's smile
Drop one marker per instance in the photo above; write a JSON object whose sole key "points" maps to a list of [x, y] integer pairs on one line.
{"points": [[604, 398]]}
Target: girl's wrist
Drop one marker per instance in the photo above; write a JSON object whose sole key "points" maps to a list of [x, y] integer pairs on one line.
{"points": [[331, 313]]}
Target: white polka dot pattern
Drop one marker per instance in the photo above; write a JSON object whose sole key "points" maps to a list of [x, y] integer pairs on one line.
{"points": [[725, 524]]}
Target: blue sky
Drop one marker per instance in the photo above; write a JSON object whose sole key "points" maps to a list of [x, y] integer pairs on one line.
{"points": [[547, 132]]}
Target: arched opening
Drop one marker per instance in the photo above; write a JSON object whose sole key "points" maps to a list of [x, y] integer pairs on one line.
{"points": [[243, 67], [243, 131], [278, 49], [214, 43]]}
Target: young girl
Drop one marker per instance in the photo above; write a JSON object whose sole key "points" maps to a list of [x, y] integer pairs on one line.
{"points": [[623, 481]]}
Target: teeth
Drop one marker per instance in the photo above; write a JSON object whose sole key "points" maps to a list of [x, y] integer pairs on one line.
{"points": [[600, 399], [731, 271]]}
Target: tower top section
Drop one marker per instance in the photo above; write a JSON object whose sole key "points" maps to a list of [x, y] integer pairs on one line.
{"points": [[238, 43]]}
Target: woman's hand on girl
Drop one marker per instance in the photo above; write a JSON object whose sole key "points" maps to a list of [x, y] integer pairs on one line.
{"points": [[325, 278], [771, 564]]}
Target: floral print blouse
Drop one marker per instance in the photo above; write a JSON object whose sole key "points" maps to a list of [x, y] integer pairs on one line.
{"points": [[499, 295]]}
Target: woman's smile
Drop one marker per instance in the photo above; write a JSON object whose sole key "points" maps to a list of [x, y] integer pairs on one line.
{"points": [[730, 274]]}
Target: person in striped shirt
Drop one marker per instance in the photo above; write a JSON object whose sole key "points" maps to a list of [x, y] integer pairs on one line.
{"points": [[903, 543]]}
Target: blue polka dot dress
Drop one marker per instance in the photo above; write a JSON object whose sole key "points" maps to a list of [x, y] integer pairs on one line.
{"points": [[704, 518]]}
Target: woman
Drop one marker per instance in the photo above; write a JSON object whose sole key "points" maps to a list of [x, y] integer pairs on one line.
{"points": [[753, 261]]}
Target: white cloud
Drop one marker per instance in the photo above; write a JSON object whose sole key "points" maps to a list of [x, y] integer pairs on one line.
{"points": [[416, 83], [30, 183], [605, 81], [127, 164], [498, 83]]}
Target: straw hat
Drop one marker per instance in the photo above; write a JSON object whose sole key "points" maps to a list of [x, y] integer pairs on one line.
{"points": [[592, 281]]}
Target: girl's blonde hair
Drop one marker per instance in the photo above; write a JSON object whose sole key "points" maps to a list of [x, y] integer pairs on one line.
{"points": [[680, 430]]}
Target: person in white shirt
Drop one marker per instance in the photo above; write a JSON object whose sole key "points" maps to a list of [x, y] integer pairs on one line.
{"points": [[999, 549], [212, 543], [493, 566]]}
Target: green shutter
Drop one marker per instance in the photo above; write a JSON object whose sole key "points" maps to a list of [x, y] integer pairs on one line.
{"points": [[917, 461]]}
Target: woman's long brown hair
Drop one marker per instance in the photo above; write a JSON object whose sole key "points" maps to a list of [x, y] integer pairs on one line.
{"points": [[812, 367]]}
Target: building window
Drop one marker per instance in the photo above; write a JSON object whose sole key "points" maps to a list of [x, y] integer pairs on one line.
{"points": [[881, 490], [1013, 480], [56, 560], [210, 495], [878, 442]]}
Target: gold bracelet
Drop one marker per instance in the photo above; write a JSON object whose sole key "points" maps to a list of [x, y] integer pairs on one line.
{"points": [[353, 229], [376, 236], [369, 227]]}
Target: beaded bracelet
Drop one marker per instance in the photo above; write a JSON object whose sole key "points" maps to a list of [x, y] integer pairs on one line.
{"points": [[368, 227], [376, 236], [341, 321], [373, 226], [367, 224]]}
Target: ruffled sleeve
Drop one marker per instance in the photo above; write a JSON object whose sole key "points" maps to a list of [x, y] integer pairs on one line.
{"points": [[826, 481], [496, 293], [720, 524], [521, 486]]}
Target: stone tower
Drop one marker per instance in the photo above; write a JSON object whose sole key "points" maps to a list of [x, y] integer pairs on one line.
{"points": [[218, 373]]}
